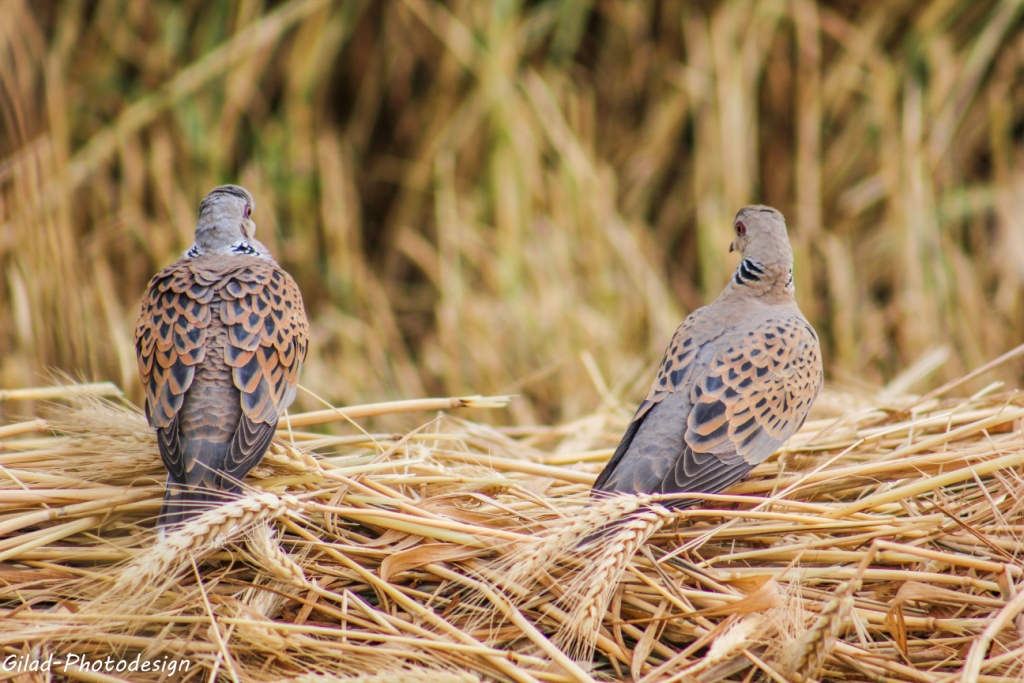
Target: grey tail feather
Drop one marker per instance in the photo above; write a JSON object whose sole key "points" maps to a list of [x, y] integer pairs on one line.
{"points": [[182, 503], [205, 485]]}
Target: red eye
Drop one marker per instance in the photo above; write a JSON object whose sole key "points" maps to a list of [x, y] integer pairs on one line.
{"points": [[741, 230], [248, 210]]}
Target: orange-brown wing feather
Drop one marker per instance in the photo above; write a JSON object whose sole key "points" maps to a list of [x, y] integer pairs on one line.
{"points": [[170, 339], [266, 345], [675, 368], [756, 391]]}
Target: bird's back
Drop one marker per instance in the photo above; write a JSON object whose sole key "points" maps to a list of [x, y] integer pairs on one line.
{"points": [[212, 409]]}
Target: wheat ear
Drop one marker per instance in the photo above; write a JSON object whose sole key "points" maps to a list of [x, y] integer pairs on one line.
{"points": [[534, 558], [271, 556], [816, 645], [591, 589], [286, 457], [210, 530]]}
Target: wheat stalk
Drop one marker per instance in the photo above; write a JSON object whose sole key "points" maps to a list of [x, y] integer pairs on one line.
{"points": [[370, 507], [524, 563], [814, 647], [536, 556], [411, 675], [290, 459]]}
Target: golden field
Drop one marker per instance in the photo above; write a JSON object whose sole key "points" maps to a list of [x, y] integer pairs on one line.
{"points": [[508, 197]]}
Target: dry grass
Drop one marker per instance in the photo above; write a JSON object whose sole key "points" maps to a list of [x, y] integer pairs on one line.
{"points": [[883, 544], [500, 198]]}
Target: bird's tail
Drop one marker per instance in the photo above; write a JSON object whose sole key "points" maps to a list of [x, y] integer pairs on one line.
{"points": [[205, 487], [183, 502]]}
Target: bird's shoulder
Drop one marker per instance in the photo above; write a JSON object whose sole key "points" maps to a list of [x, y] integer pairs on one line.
{"points": [[738, 335], [704, 325]]}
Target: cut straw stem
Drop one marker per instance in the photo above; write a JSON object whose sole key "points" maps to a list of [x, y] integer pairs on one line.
{"points": [[523, 467], [59, 392], [23, 428], [455, 532], [929, 484], [54, 534], [496, 659], [392, 407], [976, 656], [517, 618], [107, 504]]}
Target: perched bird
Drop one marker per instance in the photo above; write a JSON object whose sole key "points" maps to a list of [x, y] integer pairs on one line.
{"points": [[738, 379], [220, 342]]}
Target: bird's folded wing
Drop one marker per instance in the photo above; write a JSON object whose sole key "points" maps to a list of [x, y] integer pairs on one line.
{"points": [[756, 391], [656, 459], [266, 344], [722, 409], [170, 339], [267, 336], [683, 358]]}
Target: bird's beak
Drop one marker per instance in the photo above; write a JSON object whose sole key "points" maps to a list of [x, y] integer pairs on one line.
{"points": [[732, 246]]}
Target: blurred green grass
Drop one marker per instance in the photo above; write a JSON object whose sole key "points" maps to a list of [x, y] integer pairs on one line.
{"points": [[483, 197]]}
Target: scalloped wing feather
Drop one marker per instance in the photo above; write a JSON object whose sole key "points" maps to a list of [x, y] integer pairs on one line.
{"points": [[170, 339], [735, 400], [676, 366], [757, 390], [267, 338]]}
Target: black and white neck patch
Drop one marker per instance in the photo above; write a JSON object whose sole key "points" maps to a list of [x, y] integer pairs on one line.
{"points": [[748, 271], [244, 248]]}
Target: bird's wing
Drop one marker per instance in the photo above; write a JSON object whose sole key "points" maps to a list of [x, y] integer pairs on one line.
{"points": [[266, 345], [680, 360], [170, 339], [729, 405], [654, 456], [677, 365], [756, 391]]}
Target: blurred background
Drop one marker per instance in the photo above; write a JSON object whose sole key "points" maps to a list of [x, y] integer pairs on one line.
{"points": [[517, 197]]}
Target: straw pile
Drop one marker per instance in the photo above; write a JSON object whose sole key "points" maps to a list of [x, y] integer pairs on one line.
{"points": [[882, 545]]}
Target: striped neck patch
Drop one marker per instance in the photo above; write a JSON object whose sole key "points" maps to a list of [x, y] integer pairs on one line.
{"points": [[748, 271]]}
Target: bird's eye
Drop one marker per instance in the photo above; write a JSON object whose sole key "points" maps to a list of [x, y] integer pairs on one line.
{"points": [[248, 210], [741, 230]]}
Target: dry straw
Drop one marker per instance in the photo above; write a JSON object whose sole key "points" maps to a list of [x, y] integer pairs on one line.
{"points": [[393, 553], [147, 576], [412, 675]]}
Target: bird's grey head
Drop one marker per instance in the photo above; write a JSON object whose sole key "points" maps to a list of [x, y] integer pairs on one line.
{"points": [[763, 244], [225, 224]]}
